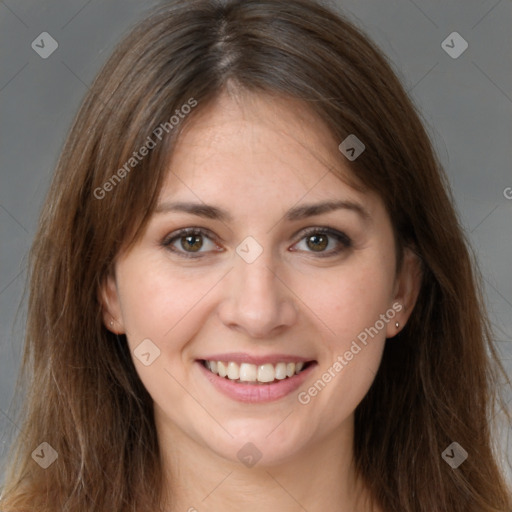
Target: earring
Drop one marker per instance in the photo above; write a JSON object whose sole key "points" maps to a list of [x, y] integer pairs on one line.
{"points": [[111, 323], [397, 325]]}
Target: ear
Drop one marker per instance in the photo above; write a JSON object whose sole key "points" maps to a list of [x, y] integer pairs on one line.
{"points": [[111, 307], [406, 291]]}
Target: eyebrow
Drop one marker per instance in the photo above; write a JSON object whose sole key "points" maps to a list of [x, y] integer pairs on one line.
{"points": [[294, 214]]}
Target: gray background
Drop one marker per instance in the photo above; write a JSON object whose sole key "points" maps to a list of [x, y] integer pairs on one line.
{"points": [[465, 102]]}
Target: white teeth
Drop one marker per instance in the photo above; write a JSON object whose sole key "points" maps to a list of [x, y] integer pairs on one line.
{"points": [[221, 369], [233, 371], [247, 372], [266, 373], [281, 371]]}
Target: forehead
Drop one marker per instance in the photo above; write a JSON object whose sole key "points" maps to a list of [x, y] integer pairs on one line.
{"points": [[260, 146]]}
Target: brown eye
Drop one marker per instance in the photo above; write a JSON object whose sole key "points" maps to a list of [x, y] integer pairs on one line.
{"points": [[191, 242], [317, 242]]}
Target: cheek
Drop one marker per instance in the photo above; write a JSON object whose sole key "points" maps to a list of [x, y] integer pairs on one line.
{"points": [[157, 302], [350, 298], [351, 305]]}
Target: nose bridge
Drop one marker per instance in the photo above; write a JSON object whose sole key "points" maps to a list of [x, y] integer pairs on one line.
{"points": [[256, 284], [254, 261], [256, 300], [258, 277]]}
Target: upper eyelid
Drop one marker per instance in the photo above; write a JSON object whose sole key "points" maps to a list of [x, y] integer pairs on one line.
{"points": [[211, 234], [192, 230], [304, 232]]}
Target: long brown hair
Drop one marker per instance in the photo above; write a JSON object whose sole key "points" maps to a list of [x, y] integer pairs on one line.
{"points": [[438, 381]]}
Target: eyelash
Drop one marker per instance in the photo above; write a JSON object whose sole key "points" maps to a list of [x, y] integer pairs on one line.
{"points": [[340, 237]]}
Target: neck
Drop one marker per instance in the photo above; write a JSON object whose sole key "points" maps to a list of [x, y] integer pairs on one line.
{"points": [[321, 478]]}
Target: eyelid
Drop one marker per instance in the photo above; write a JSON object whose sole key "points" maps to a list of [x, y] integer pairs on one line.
{"points": [[325, 230], [341, 238], [168, 241]]}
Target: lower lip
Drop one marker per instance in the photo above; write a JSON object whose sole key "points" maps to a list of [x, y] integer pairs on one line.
{"points": [[257, 393]]}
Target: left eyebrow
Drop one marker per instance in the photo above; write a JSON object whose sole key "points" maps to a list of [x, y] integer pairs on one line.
{"points": [[294, 214], [310, 210]]}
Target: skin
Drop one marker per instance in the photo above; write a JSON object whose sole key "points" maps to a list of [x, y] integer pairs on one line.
{"points": [[257, 157]]}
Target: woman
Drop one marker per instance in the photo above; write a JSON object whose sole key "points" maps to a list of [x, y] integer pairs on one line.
{"points": [[249, 287]]}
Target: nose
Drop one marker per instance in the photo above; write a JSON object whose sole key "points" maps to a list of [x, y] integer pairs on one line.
{"points": [[257, 302]]}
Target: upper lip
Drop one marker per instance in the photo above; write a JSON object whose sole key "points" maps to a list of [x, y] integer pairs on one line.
{"points": [[239, 357]]}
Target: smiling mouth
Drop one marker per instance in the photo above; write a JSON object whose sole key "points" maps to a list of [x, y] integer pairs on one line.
{"points": [[247, 373]]}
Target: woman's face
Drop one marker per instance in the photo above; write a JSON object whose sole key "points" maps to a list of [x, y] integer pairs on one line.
{"points": [[269, 278]]}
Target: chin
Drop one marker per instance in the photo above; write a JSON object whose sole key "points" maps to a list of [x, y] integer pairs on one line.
{"points": [[262, 446]]}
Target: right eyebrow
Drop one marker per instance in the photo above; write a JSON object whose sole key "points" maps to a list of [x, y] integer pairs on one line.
{"points": [[310, 210], [200, 209]]}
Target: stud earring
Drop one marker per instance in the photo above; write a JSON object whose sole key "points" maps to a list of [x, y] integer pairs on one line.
{"points": [[397, 325], [111, 323]]}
